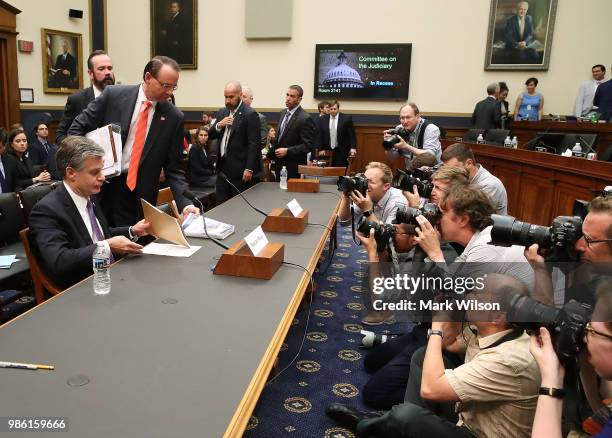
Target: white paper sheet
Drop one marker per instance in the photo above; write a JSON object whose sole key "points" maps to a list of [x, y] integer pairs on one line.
{"points": [[169, 249]]}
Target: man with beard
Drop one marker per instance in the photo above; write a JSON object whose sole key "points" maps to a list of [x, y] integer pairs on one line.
{"points": [[101, 74]]}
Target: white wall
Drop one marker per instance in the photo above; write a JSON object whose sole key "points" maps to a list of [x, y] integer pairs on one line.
{"points": [[448, 38], [49, 14]]}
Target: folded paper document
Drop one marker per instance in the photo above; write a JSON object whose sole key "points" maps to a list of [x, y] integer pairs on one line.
{"points": [[109, 138], [194, 227], [162, 225]]}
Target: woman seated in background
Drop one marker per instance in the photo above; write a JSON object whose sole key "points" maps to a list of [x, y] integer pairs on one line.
{"points": [[18, 146], [267, 164], [269, 138], [529, 104], [201, 169]]}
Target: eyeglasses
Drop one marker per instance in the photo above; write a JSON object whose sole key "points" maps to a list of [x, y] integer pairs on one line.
{"points": [[590, 241], [590, 329], [166, 87]]}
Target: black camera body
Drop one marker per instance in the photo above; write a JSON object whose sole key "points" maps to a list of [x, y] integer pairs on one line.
{"points": [[559, 238], [396, 134], [358, 182], [382, 232], [405, 180], [566, 325], [408, 215]]}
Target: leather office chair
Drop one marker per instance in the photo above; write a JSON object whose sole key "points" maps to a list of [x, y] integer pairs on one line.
{"points": [[496, 136], [472, 135], [11, 218], [165, 200], [39, 279], [31, 195]]}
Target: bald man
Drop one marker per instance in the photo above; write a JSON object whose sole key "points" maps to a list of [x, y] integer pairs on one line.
{"points": [[238, 131]]}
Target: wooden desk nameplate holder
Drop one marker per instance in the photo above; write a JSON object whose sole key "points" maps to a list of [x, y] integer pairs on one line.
{"points": [[239, 261], [281, 220], [303, 185]]}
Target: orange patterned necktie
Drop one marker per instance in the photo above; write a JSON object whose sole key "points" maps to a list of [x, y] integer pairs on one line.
{"points": [[139, 139]]}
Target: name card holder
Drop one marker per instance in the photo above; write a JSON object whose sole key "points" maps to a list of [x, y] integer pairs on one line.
{"points": [[303, 185], [280, 220], [239, 261]]}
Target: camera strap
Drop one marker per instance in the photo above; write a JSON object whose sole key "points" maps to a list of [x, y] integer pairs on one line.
{"points": [[355, 240], [514, 334]]}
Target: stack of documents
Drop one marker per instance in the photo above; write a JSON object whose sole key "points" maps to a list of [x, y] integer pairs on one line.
{"points": [[7, 261], [194, 227], [109, 138]]}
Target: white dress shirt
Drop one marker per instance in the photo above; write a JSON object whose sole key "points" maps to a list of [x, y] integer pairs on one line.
{"points": [[333, 132], [81, 204], [129, 142]]}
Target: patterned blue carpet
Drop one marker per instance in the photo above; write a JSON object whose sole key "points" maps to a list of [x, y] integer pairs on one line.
{"points": [[330, 366]]}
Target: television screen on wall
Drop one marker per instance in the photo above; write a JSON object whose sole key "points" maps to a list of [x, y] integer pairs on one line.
{"points": [[362, 71]]}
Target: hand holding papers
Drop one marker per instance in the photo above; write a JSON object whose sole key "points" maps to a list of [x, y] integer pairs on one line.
{"points": [[109, 138], [163, 226]]}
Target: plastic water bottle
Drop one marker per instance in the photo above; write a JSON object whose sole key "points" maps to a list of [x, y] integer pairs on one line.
{"points": [[101, 267], [283, 178], [514, 142], [577, 150], [507, 142], [480, 139]]}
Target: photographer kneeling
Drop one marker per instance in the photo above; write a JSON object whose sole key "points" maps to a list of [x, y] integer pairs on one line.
{"points": [[598, 340]]}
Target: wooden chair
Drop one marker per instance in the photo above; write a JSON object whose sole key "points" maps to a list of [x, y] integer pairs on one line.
{"points": [[40, 280], [166, 198]]}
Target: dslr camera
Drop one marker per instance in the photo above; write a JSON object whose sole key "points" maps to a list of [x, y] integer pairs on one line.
{"points": [[559, 238], [382, 232], [408, 215], [566, 325], [396, 134], [358, 182], [421, 178]]}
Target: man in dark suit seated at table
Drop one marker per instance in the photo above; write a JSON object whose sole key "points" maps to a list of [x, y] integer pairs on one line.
{"points": [[101, 74], [296, 136], [66, 225], [337, 133], [487, 113]]}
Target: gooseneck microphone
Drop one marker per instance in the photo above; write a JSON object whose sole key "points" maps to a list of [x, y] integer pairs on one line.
{"points": [[222, 175], [193, 198]]}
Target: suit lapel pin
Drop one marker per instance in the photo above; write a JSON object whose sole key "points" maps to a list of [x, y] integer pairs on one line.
{"points": [[162, 118]]}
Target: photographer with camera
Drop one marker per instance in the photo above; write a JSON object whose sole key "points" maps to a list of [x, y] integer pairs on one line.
{"points": [[371, 195], [461, 155], [598, 340], [434, 189], [495, 390], [414, 136]]}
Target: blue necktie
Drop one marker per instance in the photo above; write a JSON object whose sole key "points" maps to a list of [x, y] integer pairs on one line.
{"points": [[3, 187]]}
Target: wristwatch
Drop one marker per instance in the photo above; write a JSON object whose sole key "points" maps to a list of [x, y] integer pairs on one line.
{"points": [[552, 392], [367, 213], [435, 332], [133, 236]]}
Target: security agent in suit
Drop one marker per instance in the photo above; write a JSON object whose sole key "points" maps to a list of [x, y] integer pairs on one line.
{"points": [[297, 134], [66, 224], [239, 143], [39, 147], [337, 133], [487, 113], [66, 68], [154, 144], [101, 74]]}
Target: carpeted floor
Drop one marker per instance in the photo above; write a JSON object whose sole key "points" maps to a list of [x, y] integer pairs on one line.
{"points": [[330, 366]]}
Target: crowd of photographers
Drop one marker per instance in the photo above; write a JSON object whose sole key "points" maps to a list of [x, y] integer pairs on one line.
{"points": [[525, 350]]}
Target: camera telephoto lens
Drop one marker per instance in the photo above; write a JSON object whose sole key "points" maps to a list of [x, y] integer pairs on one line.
{"points": [[408, 215], [508, 231]]}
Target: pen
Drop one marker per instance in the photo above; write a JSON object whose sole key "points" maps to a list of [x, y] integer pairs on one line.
{"points": [[26, 366]]}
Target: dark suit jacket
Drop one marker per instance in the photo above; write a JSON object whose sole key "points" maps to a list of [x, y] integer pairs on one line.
{"points": [[60, 79], [487, 114], [603, 100], [299, 137], [163, 148], [346, 137], [512, 35], [201, 167], [75, 104], [24, 172], [36, 151], [9, 162], [243, 146], [60, 238], [177, 42]]}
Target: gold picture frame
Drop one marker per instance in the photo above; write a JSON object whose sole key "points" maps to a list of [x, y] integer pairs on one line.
{"points": [[174, 31], [62, 61]]}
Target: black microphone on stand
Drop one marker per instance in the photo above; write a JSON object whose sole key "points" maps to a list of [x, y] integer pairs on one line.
{"points": [[193, 198], [222, 175]]}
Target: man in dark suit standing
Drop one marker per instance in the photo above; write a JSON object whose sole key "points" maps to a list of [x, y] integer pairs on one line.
{"points": [[65, 68], [519, 37], [39, 148], [239, 143], [487, 113], [152, 137], [101, 74], [66, 225], [337, 133], [297, 134]]}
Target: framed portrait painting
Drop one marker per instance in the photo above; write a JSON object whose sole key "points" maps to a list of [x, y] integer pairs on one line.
{"points": [[62, 61], [174, 31], [520, 34]]}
